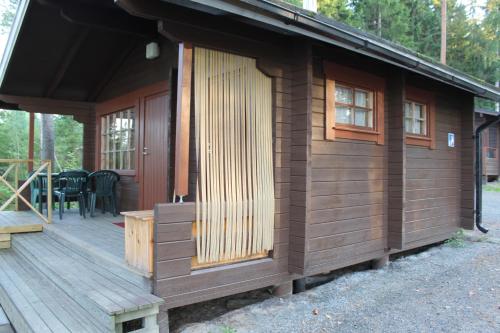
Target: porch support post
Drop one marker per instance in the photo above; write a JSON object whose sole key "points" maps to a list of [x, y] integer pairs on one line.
{"points": [[397, 160], [183, 117], [31, 141], [89, 143]]}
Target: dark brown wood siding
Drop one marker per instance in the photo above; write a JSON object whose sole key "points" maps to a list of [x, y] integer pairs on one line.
{"points": [[433, 179], [136, 71], [348, 220], [174, 280]]}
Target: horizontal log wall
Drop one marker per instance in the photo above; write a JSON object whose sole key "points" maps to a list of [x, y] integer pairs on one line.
{"points": [[434, 186], [349, 191], [174, 280], [467, 161]]}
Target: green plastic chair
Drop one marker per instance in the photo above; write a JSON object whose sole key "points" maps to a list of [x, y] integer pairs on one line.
{"points": [[73, 185], [103, 185]]}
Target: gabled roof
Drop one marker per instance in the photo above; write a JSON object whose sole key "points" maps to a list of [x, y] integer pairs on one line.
{"points": [[269, 14], [290, 19]]}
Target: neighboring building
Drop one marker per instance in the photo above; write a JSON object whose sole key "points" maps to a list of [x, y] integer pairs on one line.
{"points": [[298, 145], [490, 145]]}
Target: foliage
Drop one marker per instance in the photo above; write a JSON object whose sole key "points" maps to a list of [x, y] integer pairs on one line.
{"points": [[14, 138], [457, 240], [492, 187], [227, 329], [8, 15]]}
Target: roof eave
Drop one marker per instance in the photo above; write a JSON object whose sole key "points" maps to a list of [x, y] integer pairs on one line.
{"points": [[297, 22]]}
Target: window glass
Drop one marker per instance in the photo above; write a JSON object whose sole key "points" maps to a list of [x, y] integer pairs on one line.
{"points": [[118, 140], [343, 95], [415, 118], [362, 98], [343, 115], [354, 109], [360, 116]]}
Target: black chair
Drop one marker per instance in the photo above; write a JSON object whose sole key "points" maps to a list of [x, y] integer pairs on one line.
{"points": [[38, 189], [72, 187], [103, 185]]}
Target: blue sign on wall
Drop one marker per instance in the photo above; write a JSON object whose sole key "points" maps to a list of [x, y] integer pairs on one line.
{"points": [[451, 139]]}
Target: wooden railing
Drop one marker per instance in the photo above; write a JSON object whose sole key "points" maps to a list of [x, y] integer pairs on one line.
{"points": [[14, 165]]}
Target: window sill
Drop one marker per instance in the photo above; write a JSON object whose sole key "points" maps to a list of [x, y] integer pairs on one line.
{"points": [[355, 133], [422, 141]]}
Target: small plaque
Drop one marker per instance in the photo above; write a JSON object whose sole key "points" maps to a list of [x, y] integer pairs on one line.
{"points": [[451, 139]]}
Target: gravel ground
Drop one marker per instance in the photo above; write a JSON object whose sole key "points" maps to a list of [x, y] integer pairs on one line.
{"points": [[443, 289]]}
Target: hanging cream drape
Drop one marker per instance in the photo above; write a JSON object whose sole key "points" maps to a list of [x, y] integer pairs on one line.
{"points": [[235, 185]]}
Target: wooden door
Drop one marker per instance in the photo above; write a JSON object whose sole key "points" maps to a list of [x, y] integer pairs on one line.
{"points": [[155, 150]]}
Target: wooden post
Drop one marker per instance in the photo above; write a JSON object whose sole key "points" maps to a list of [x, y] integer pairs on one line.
{"points": [[31, 141], [16, 184], [183, 117], [283, 290], [380, 262]]}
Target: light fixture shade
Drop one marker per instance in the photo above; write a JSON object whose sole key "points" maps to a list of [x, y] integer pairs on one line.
{"points": [[152, 50]]}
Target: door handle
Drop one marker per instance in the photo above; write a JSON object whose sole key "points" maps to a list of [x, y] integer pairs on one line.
{"points": [[145, 151]]}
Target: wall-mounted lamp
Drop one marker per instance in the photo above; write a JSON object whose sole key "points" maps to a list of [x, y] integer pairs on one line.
{"points": [[152, 50]]}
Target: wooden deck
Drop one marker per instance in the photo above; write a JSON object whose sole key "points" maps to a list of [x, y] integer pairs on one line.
{"points": [[72, 277]]}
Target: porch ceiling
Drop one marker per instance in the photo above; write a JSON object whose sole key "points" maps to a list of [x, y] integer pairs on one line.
{"points": [[67, 50]]}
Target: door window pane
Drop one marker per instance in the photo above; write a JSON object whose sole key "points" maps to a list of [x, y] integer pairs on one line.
{"points": [[118, 140]]}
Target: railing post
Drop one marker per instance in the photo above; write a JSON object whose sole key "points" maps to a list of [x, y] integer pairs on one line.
{"points": [[49, 191], [16, 184]]}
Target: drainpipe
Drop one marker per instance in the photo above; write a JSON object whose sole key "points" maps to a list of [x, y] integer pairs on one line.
{"points": [[479, 171]]}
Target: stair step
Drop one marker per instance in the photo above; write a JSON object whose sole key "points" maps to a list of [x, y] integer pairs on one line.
{"points": [[99, 257], [35, 304], [5, 326], [51, 284]]}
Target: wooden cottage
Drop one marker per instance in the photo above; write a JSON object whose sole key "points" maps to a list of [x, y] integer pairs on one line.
{"points": [[272, 144], [490, 145]]}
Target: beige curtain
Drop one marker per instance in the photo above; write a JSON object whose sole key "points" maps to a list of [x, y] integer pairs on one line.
{"points": [[235, 185]]}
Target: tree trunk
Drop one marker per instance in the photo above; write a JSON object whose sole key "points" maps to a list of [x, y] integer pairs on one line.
{"points": [[47, 138], [443, 31], [379, 21]]}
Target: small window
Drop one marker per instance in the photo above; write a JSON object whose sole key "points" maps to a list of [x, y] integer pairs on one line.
{"points": [[416, 118], [354, 104], [419, 117], [491, 149], [118, 140]]}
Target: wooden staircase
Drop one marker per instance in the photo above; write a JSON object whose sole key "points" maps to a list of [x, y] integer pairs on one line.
{"points": [[48, 285]]}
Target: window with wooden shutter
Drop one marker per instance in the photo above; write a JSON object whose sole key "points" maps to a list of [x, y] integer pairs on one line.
{"points": [[354, 104], [419, 111], [491, 149]]}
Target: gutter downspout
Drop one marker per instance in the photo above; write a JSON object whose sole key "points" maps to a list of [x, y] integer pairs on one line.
{"points": [[479, 172]]}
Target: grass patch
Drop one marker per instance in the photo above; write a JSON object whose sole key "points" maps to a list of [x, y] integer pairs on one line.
{"points": [[227, 329], [457, 240], [492, 187]]}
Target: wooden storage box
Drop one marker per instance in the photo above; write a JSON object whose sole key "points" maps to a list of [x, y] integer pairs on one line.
{"points": [[139, 231]]}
